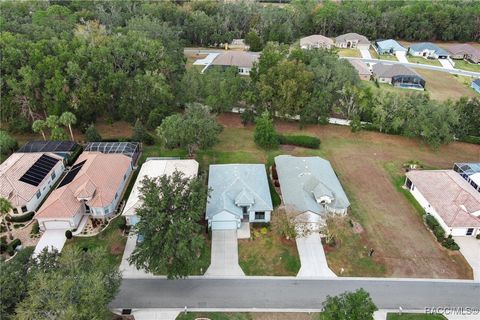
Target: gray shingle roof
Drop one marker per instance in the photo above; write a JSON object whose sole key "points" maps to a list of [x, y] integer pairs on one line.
{"points": [[235, 58], [241, 184], [302, 179], [390, 70], [418, 47], [352, 36]]}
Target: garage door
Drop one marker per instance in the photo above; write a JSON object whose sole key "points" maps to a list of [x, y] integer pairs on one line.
{"points": [[49, 225], [224, 225]]}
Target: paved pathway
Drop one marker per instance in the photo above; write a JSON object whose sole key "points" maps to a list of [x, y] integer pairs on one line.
{"points": [[470, 248], [365, 54], [155, 314], [130, 271], [224, 261], [401, 56], [54, 238], [446, 64], [312, 257]]}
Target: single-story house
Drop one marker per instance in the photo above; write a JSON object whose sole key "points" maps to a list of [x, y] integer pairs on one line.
{"points": [[445, 195], [310, 186], [239, 193], [398, 75], [242, 60], [362, 68], [470, 172], [352, 40], [153, 168], [316, 41], [428, 50], [92, 187], [465, 51], [476, 85], [61, 148], [26, 178], [389, 46]]}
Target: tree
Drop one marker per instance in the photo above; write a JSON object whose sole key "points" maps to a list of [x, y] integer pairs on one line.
{"points": [[140, 134], [169, 224], [91, 134], [196, 129], [67, 119], [74, 285], [265, 135], [469, 117], [349, 306], [58, 134], [39, 126], [254, 41], [7, 143], [5, 208]]}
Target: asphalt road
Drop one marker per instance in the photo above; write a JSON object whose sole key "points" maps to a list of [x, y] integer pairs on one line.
{"points": [[291, 293]]}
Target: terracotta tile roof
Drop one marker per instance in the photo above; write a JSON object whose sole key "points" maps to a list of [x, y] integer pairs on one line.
{"points": [[97, 181], [453, 198], [12, 169]]}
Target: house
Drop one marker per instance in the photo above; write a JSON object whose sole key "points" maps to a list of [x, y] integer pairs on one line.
{"points": [[239, 193], [464, 51], [428, 50], [92, 187], [476, 85], [242, 60], [362, 68], [61, 148], [153, 168], [470, 172], [352, 40], [316, 41], [310, 187], [449, 198], [389, 46], [26, 178], [398, 75]]}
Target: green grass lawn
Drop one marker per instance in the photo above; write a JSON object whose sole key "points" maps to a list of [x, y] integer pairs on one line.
{"points": [[349, 53], [214, 316], [464, 65], [415, 316], [390, 57], [373, 53], [421, 60]]}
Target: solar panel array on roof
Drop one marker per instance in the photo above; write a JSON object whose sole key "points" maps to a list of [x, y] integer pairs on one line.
{"points": [[72, 174], [48, 146], [39, 170]]}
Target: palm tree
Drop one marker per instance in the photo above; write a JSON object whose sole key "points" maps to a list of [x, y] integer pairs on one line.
{"points": [[52, 121], [5, 207], [39, 126], [67, 119]]}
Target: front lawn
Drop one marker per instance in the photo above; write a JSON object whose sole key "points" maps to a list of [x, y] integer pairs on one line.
{"points": [[415, 316], [349, 53], [421, 60], [390, 57], [464, 65], [268, 254], [111, 239], [247, 316]]}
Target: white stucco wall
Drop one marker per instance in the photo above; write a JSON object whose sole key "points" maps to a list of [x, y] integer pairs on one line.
{"points": [[73, 221]]}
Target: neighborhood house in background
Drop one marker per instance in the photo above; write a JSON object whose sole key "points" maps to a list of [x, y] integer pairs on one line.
{"points": [[316, 41], [310, 188], [242, 60], [389, 46], [153, 168], [464, 51], [398, 75], [427, 50], [362, 68], [352, 40], [239, 193], [448, 197]]}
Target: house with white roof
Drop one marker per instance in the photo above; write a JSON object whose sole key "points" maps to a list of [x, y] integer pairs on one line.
{"points": [[26, 178], [448, 197], [154, 168], [239, 193]]}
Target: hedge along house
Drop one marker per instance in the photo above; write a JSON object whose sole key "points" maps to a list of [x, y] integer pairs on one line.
{"points": [[316, 41], [241, 60], [239, 193], [26, 178], [310, 188], [398, 75], [449, 198], [352, 40], [428, 50], [389, 46], [92, 187], [154, 168]]}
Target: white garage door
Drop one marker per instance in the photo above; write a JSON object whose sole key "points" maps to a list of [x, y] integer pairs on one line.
{"points": [[224, 225], [49, 225]]}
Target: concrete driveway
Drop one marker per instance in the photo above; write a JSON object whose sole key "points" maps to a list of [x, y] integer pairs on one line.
{"points": [[54, 238], [446, 64], [401, 56], [470, 248], [365, 54], [224, 261], [128, 270], [312, 257]]}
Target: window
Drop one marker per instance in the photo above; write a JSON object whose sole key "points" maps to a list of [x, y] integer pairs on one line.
{"points": [[106, 210], [15, 210], [39, 194], [24, 209], [259, 215], [124, 177], [469, 231], [53, 175]]}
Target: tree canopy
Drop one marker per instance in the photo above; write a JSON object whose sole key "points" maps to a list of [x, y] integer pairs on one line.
{"points": [[349, 306]]}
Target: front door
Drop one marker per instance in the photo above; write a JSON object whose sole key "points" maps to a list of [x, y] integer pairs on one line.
{"points": [[469, 231], [246, 216]]}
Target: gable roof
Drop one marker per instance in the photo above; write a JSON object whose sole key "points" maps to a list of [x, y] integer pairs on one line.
{"points": [[464, 48], [153, 168], [352, 36], [383, 70], [453, 198], [97, 182], [235, 58], [19, 192], [419, 47], [390, 44], [314, 39], [236, 184], [303, 178]]}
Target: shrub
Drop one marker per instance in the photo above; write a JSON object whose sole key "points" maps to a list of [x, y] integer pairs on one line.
{"points": [[35, 228], [23, 218], [247, 117], [122, 225], [68, 234], [15, 243], [449, 243], [3, 239], [478, 236], [91, 134], [3, 248], [7, 143], [471, 139], [439, 233], [301, 141], [274, 172]]}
